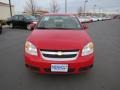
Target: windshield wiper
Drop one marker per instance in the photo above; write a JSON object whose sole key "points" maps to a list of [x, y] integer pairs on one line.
{"points": [[42, 28], [49, 28], [55, 28], [66, 28]]}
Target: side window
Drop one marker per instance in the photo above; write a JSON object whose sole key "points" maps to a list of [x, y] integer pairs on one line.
{"points": [[15, 18], [21, 17]]}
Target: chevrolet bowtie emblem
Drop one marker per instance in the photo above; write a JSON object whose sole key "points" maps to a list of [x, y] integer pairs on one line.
{"points": [[59, 53]]}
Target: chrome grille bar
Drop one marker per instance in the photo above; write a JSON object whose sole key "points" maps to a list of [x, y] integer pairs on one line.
{"points": [[56, 53], [60, 54]]}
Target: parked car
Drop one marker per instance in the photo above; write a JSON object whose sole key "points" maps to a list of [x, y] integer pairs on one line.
{"points": [[2, 22], [100, 18], [94, 18], [116, 17], [38, 17], [59, 45], [85, 19], [0, 28], [21, 21]]}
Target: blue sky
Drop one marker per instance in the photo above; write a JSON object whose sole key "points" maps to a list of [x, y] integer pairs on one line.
{"points": [[73, 5]]}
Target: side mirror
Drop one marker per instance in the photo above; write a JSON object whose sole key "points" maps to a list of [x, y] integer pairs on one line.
{"points": [[84, 27]]}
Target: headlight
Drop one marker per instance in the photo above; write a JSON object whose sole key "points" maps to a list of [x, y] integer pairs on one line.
{"points": [[30, 48], [88, 49]]}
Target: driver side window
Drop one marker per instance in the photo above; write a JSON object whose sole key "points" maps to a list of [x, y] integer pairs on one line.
{"points": [[15, 18], [21, 18]]}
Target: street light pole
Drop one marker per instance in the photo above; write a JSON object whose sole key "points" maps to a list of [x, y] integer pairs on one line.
{"points": [[10, 8], [94, 9], [85, 2], [100, 11], [65, 6]]}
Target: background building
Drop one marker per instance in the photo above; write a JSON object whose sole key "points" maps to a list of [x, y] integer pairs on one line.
{"points": [[5, 11]]}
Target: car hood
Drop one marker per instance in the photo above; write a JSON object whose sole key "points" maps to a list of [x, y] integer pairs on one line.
{"points": [[59, 39]]}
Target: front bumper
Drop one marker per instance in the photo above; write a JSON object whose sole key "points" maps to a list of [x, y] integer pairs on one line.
{"points": [[36, 63]]}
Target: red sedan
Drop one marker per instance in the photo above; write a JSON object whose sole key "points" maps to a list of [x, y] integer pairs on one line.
{"points": [[59, 45]]}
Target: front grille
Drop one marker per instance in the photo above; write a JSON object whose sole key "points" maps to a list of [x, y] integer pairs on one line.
{"points": [[59, 55]]}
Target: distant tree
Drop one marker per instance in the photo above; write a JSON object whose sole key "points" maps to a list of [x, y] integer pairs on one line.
{"points": [[54, 6], [80, 11], [30, 7]]}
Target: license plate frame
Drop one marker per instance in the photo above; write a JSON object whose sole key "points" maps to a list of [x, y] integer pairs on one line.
{"points": [[59, 67]]}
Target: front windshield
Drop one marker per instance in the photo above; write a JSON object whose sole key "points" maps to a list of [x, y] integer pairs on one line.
{"points": [[30, 18], [59, 22]]}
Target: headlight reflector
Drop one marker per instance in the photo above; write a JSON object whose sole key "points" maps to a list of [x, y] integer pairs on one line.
{"points": [[88, 49], [30, 48]]}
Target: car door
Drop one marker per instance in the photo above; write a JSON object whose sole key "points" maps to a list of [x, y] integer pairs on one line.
{"points": [[15, 20], [21, 21]]}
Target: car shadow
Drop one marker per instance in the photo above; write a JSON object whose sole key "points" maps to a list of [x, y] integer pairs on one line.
{"points": [[81, 75]]}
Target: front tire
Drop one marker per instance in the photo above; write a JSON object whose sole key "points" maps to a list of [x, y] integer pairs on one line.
{"points": [[0, 31], [0, 28]]}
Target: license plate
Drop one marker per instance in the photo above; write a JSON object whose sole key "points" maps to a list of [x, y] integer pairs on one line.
{"points": [[59, 67]]}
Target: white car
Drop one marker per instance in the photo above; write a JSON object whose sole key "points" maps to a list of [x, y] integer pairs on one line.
{"points": [[100, 18], [94, 19], [85, 19]]}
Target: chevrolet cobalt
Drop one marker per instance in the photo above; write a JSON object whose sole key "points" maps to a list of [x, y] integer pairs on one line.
{"points": [[59, 44]]}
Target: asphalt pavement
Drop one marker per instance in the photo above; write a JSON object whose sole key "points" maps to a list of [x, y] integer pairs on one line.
{"points": [[105, 75]]}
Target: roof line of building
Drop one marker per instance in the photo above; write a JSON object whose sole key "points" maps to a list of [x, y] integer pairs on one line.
{"points": [[5, 4]]}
